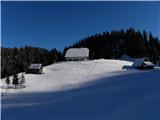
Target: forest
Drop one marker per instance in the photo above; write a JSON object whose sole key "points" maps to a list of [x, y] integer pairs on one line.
{"points": [[15, 60], [114, 44], [107, 45]]}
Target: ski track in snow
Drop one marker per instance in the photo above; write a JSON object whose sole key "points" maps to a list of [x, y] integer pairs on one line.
{"points": [[83, 75]]}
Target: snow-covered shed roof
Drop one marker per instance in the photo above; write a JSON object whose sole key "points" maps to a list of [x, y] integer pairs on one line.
{"points": [[127, 58], [138, 62], [77, 52], [148, 63], [35, 66]]}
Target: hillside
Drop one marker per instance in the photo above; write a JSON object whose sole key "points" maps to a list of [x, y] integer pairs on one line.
{"points": [[114, 44], [106, 45], [98, 89]]}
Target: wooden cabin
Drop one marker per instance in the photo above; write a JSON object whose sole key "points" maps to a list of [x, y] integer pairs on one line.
{"points": [[77, 54], [143, 63], [35, 68]]}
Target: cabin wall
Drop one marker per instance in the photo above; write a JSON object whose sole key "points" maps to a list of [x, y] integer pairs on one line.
{"points": [[76, 59], [35, 71]]}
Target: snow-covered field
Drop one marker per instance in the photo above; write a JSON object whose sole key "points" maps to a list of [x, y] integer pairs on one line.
{"points": [[88, 90]]}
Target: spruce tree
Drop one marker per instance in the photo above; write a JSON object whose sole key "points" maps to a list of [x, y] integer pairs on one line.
{"points": [[54, 57], [7, 82], [22, 80], [15, 80]]}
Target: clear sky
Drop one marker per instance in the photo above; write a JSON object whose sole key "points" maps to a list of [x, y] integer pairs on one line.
{"points": [[57, 24]]}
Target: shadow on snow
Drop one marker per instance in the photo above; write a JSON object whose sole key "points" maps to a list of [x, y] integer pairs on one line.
{"points": [[126, 96]]}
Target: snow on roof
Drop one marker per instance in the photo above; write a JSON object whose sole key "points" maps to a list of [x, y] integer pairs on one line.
{"points": [[138, 62], [77, 52], [127, 58], [148, 63], [35, 66]]}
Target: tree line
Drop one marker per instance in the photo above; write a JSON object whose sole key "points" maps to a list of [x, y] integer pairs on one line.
{"points": [[15, 60], [107, 45], [114, 44]]}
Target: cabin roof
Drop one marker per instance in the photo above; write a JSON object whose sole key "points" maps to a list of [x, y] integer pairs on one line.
{"points": [[77, 52], [148, 63], [138, 62], [35, 66]]}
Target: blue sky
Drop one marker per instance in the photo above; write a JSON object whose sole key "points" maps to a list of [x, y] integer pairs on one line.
{"points": [[57, 24]]}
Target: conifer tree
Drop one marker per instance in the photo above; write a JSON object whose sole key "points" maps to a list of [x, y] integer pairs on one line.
{"points": [[7, 82], [22, 80], [15, 80]]}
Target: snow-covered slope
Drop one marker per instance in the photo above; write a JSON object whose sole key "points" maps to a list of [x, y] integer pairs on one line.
{"points": [[87, 90]]}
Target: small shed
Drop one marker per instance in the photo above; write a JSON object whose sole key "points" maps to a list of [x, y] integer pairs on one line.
{"points": [[143, 63], [35, 68], [77, 54]]}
